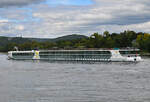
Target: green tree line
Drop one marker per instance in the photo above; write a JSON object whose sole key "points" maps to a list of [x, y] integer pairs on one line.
{"points": [[106, 40]]}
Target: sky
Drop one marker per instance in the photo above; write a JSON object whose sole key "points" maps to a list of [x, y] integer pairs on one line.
{"points": [[55, 18]]}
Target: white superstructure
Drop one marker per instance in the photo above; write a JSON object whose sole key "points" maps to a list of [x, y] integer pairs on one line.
{"points": [[116, 56]]}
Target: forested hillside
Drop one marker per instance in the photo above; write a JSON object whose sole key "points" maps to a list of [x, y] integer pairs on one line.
{"points": [[106, 40]]}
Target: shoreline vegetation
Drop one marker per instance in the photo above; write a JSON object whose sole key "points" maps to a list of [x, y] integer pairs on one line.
{"points": [[126, 39]]}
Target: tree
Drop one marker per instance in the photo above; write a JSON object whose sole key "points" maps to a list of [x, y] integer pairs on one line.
{"points": [[106, 34], [96, 40], [144, 41]]}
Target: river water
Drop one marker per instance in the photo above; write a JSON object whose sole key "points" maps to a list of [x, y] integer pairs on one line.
{"points": [[37, 81]]}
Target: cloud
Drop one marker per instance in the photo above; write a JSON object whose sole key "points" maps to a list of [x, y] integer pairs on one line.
{"points": [[4, 21], [8, 3], [99, 17], [19, 27], [46, 20]]}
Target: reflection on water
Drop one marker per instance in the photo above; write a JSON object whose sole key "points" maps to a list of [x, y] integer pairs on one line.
{"points": [[41, 81]]}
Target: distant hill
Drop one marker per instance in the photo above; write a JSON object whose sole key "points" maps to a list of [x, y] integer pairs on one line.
{"points": [[67, 37], [70, 37], [5, 40]]}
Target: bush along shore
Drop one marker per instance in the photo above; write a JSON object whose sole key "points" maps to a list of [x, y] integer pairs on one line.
{"points": [[126, 39]]}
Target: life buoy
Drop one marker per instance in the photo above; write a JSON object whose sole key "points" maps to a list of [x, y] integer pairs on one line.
{"points": [[134, 59]]}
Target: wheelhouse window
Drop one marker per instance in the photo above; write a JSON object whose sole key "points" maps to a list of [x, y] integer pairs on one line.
{"points": [[23, 54]]}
